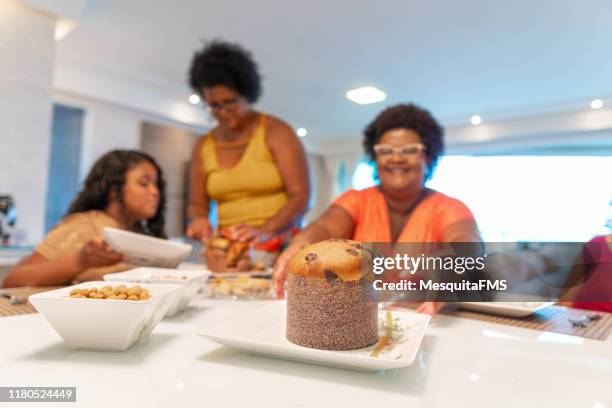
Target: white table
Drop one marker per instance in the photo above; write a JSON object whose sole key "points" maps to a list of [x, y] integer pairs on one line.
{"points": [[461, 363]]}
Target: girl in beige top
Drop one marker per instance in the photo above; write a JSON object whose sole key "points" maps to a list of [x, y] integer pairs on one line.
{"points": [[125, 189]]}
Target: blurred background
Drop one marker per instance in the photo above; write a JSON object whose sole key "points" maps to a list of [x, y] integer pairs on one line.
{"points": [[524, 90]]}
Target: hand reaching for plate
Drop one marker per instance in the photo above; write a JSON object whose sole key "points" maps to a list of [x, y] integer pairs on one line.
{"points": [[199, 229], [246, 233], [430, 308], [281, 267], [96, 252]]}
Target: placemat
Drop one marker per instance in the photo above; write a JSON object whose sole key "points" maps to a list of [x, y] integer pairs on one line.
{"points": [[551, 319], [8, 309]]}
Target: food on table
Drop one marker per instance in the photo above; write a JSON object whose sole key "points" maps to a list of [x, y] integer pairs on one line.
{"points": [[330, 303], [226, 254], [169, 277], [241, 286], [120, 292]]}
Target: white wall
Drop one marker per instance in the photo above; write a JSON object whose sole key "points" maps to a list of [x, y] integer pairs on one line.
{"points": [[108, 126], [26, 52]]}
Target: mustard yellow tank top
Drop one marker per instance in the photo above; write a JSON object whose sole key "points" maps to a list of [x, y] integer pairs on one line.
{"points": [[251, 191]]}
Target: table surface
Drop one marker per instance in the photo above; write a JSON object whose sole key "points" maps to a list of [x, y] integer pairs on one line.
{"points": [[461, 362]]}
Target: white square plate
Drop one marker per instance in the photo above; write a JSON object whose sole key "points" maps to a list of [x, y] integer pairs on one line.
{"points": [[191, 281], [510, 309], [144, 250], [262, 331], [103, 324], [232, 274]]}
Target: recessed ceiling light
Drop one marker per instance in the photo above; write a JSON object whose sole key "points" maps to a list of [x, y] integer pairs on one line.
{"points": [[301, 132], [63, 27], [475, 120], [366, 95], [596, 103], [194, 99]]}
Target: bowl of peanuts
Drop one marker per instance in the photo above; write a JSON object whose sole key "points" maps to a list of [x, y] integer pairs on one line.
{"points": [[191, 281], [103, 315]]}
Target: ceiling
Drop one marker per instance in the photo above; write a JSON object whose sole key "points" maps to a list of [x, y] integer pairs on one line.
{"points": [[456, 58]]}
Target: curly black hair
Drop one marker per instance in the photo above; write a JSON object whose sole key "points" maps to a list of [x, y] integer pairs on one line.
{"points": [[407, 116], [107, 178], [223, 63]]}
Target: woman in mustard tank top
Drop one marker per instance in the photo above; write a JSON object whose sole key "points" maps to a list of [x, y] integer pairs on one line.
{"points": [[251, 164]]}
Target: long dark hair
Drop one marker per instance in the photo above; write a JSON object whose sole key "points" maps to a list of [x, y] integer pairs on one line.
{"points": [[107, 178]]}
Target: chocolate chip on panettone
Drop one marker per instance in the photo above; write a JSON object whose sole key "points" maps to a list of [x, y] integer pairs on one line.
{"points": [[311, 257], [330, 275], [352, 251]]}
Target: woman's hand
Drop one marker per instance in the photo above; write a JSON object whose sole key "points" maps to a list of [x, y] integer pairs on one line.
{"points": [[430, 308], [246, 233], [199, 229], [96, 252], [216, 259], [281, 270]]}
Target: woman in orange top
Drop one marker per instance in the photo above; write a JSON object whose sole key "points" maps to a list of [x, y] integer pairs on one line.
{"points": [[405, 141], [251, 164]]}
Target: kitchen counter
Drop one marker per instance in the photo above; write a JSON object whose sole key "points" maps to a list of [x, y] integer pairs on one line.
{"points": [[461, 362]]}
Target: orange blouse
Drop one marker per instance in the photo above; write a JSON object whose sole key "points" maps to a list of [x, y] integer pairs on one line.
{"points": [[427, 223]]}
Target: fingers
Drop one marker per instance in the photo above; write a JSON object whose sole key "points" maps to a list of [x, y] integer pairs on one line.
{"points": [[279, 276], [96, 252], [430, 308], [199, 229], [244, 233], [191, 233]]}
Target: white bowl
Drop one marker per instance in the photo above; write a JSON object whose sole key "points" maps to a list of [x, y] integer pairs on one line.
{"points": [[189, 286], [144, 250], [103, 324]]}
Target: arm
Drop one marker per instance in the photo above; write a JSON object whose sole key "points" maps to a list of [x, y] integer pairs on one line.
{"points": [[290, 158], [36, 270], [462, 231], [199, 227], [336, 222]]}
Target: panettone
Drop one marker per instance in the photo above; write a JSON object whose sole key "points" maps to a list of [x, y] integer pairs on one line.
{"points": [[329, 297]]}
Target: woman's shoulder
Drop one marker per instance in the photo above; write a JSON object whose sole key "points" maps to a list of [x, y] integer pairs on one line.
{"points": [[441, 199], [280, 138], [439, 202], [73, 231], [357, 197], [95, 218], [275, 127], [273, 122]]}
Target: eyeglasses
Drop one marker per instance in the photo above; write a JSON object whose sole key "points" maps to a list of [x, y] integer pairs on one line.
{"points": [[229, 104], [408, 150]]}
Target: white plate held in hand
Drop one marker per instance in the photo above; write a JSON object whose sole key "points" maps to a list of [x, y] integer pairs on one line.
{"points": [[144, 250]]}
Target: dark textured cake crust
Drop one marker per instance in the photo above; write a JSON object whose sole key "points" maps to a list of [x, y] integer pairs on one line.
{"points": [[330, 314]]}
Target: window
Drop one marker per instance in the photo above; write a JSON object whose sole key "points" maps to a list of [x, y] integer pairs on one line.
{"points": [[525, 198], [63, 182]]}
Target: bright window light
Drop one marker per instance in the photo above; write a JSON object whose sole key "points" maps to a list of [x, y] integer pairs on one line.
{"points": [[530, 198], [475, 120], [524, 198], [366, 95], [363, 176], [596, 103]]}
